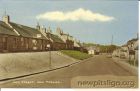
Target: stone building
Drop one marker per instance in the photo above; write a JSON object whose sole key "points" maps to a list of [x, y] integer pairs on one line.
{"points": [[16, 37], [77, 45], [56, 42], [93, 50], [128, 51], [66, 38], [7, 38], [20, 38]]}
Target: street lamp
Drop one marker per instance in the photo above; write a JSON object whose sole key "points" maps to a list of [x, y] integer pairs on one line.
{"points": [[49, 46]]}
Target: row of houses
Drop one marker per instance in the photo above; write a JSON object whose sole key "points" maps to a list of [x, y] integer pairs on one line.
{"points": [[128, 50], [17, 38]]}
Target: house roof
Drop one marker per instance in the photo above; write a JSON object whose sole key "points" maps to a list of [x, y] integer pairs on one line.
{"points": [[132, 40], [93, 48], [77, 44], [65, 37], [125, 45], [26, 31], [136, 45], [56, 38], [5, 29]]}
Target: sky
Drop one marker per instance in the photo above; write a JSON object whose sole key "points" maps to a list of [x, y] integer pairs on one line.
{"points": [[90, 21]]}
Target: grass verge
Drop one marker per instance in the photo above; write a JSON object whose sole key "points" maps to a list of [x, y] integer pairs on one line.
{"points": [[76, 54]]}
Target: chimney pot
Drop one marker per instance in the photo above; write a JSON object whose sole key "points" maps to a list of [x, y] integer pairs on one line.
{"points": [[6, 19]]}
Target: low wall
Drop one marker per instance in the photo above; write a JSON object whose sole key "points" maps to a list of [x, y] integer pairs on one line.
{"points": [[17, 64]]}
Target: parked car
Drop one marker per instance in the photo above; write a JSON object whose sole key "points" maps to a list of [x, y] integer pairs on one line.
{"points": [[122, 56]]}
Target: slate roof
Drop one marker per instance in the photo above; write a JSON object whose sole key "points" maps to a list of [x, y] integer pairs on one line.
{"points": [[26, 31], [5, 29], [76, 44], [56, 38], [132, 40], [93, 48]]}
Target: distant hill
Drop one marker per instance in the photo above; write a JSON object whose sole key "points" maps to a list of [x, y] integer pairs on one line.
{"points": [[89, 44]]}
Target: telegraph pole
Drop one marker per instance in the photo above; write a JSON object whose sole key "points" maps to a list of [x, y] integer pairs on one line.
{"points": [[112, 40], [50, 63], [111, 44], [49, 46], [50, 57]]}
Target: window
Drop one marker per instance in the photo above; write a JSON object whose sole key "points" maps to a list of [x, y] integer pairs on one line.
{"points": [[22, 41], [27, 43], [15, 41], [38, 35], [34, 42], [5, 43], [27, 46], [4, 39]]}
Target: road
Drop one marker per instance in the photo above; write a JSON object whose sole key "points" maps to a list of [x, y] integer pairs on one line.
{"points": [[97, 65]]}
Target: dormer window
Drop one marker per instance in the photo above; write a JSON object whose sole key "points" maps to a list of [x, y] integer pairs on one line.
{"points": [[38, 35]]}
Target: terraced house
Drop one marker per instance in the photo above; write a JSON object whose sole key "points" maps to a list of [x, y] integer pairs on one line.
{"points": [[66, 38], [7, 38], [17, 38], [71, 42], [56, 42]]}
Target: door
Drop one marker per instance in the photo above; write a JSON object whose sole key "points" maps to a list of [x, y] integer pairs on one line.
{"points": [[5, 43]]}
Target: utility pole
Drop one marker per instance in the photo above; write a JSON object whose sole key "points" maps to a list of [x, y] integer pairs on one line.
{"points": [[111, 50], [49, 46], [50, 63], [50, 57], [112, 40]]}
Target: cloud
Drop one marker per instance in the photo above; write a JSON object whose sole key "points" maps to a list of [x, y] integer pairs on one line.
{"points": [[76, 15]]}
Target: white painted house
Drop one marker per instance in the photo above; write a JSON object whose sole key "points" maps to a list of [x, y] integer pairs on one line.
{"points": [[93, 50], [128, 51]]}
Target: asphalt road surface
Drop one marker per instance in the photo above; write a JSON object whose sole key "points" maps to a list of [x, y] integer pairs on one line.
{"points": [[97, 65]]}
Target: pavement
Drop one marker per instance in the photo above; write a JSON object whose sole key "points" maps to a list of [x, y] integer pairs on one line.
{"points": [[123, 62], [18, 64], [95, 68]]}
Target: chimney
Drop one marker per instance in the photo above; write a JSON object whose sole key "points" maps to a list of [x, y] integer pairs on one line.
{"points": [[6, 18], [49, 30], [45, 30], [58, 31], [38, 26]]}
